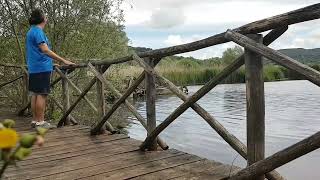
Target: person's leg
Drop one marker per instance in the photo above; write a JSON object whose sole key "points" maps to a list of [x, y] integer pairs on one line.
{"points": [[40, 107], [33, 107]]}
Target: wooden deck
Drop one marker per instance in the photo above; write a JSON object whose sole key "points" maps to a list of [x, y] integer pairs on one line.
{"points": [[70, 153]]}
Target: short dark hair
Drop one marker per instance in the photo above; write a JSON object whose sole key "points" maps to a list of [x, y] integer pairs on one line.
{"points": [[37, 17]]}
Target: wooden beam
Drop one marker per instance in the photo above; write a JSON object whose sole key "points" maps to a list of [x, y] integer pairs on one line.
{"points": [[255, 105], [86, 90], [119, 102], [280, 158], [273, 35], [151, 103], [72, 119], [293, 17], [11, 81], [234, 142], [76, 89], [100, 96], [128, 105], [65, 99], [284, 60]]}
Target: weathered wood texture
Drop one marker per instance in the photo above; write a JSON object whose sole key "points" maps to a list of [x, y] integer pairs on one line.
{"points": [[151, 103], [72, 119], [65, 98], [196, 96], [284, 60], [128, 105], [70, 153], [255, 105], [100, 96], [233, 141], [280, 158], [116, 105], [85, 91], [76, 88]]}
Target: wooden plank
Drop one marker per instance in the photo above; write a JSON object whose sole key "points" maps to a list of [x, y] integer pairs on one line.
{"points": [[125, 144], [76, 159], [71, 149], [284, 60], [151, 103], [67, 166], [82, 140], [255, 105], [114, 165], [186, 170], [146, 168], [60, 157]]}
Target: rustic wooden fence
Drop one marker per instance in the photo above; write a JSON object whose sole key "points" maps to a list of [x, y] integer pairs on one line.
{"points": [[255, 46]]}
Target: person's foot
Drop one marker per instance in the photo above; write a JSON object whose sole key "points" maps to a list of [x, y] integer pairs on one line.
{"points": [[33, 124], [44, 124]]}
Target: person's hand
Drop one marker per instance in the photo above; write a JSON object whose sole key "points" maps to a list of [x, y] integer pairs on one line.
{"points": [[66, 62]]}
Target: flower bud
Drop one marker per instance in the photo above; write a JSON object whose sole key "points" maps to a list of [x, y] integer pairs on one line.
{"points": [[8, 123], [41, 131], [27, 140], [22, 153]]}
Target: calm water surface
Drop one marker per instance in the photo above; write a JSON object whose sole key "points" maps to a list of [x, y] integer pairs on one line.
{"points": [[292, 113]]}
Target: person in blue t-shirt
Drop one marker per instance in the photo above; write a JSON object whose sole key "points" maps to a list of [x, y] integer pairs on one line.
{"points": [[40, 65]]}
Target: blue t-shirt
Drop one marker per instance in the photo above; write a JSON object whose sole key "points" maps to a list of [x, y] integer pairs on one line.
{"points": [[37, 61]]}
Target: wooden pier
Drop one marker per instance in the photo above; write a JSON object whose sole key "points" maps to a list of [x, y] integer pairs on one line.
{"points": [[71, 153], [79, 152]]}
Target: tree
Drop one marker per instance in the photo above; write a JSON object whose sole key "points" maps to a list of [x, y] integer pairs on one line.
{"points": [[231, 54], [78, 29]]}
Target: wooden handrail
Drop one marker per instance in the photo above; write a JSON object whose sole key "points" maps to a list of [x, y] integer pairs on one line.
{"points": [[293, 17], [266, 166]]}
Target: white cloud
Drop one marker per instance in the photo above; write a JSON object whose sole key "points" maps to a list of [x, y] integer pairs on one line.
{"points": [[161, 23], [173, 40], [166, 18]]}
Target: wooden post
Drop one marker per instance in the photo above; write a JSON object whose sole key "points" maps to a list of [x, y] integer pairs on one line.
{"points": [[255, 105], [100, 96], [151, 103], [65, 98], [25, 87]]}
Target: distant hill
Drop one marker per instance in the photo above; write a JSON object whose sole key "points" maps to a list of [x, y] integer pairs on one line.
{"points": [[306, 56]]}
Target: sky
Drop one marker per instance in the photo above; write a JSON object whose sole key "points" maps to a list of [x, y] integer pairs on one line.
{"points": [[162, 23]]}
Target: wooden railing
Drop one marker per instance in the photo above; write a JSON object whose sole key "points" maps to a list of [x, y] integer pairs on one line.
{"points": [[255, 48]]}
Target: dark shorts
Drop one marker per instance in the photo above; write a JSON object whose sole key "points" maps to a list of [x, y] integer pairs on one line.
{"points": [[39, 83]]}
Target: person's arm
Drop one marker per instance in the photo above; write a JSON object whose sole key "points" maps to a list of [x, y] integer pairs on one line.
{"points": [[45, 49]]}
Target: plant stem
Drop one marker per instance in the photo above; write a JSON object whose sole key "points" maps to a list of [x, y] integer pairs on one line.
{"points": [[5, 165]]}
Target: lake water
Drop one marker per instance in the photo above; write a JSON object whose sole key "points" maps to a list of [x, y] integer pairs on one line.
{"points": [[292, 113]]}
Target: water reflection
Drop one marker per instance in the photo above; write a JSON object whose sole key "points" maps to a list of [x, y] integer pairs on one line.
{"points": [[292, 111]]}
